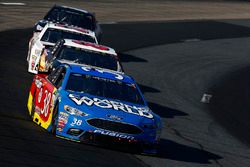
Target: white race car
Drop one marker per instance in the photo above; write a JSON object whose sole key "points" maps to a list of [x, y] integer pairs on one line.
{"points": [[50, 34]]}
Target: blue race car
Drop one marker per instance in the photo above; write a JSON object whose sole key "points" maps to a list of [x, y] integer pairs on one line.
{"points": [[92, 105]]}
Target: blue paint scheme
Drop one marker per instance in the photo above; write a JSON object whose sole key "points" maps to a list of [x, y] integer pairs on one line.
{"points": [[148, 135]]}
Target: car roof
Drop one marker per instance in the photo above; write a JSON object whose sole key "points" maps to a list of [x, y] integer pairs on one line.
{"points": [[90, 46], [72, 8], [99, 72], [71, 28]]}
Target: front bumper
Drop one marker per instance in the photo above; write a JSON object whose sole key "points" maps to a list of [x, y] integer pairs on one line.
{"points": [[143, 142], [132, 146]]}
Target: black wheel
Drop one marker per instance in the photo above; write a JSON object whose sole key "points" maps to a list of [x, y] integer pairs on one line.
{"points": [[54, 119]]}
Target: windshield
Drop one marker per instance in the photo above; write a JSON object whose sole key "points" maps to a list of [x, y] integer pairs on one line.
{"points": [[82, 56], [104, 88], [53, 35], [71, 17]]}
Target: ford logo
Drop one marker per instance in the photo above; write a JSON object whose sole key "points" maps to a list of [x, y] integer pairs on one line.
{"points": [[115, 117]]}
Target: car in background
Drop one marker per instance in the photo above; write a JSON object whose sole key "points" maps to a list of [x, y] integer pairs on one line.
{"points": [[80, 52], [70, 16], [50, 34], [85, 104]]}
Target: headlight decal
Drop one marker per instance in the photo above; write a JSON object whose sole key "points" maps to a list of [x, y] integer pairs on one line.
{"points": [[74, 111]]}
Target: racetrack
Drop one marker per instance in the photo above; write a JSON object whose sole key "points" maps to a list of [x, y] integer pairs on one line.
{"points": [[175, 63]]}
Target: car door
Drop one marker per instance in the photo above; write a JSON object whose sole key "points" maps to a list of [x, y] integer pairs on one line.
{"points": [[46, 95]]}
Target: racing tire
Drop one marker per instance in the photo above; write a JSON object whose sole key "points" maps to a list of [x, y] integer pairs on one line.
{"points": [[54, 119]]}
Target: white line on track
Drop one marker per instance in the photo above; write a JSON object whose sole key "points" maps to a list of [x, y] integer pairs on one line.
{"points": [[13, 3]]}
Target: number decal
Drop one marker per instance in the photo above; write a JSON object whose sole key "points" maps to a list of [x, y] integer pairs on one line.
{"points": [[40, 95], [46, 103], [76, 121]]}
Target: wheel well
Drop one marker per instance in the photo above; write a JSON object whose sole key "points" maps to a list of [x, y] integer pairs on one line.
{"points": [[55, 108]]}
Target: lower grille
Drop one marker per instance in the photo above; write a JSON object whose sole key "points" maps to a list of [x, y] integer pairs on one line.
{"points": [[114, 126], [111, 142]]}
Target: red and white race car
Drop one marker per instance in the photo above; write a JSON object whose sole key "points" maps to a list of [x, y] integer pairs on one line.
{"points": [[79, 52], [47, 38]]}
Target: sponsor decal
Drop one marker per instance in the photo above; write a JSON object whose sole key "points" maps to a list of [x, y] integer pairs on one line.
{"points": [[64, 114], [59, 129], [63, 117], [109, 104], [113, 134], [33, 61], [37, 110], [34, 57], [62, 121], [38, 83], [61, 124], [116, 75], [115, 117], [43, 61]]}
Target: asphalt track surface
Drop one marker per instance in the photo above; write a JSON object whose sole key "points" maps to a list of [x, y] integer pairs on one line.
{"points": [[175, 63]]}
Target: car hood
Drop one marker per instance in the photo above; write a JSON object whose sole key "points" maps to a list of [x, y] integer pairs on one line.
{"points": [[104, 108]]}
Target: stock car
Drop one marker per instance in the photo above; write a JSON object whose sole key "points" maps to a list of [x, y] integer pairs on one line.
{"points": [[50, 34], [70, 16], [84, 104], [80, 52]]}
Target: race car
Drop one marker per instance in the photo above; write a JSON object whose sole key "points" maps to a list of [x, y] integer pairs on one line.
{"points": [[80, 52], [89, 105], [50, 34], [70, 16]]}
